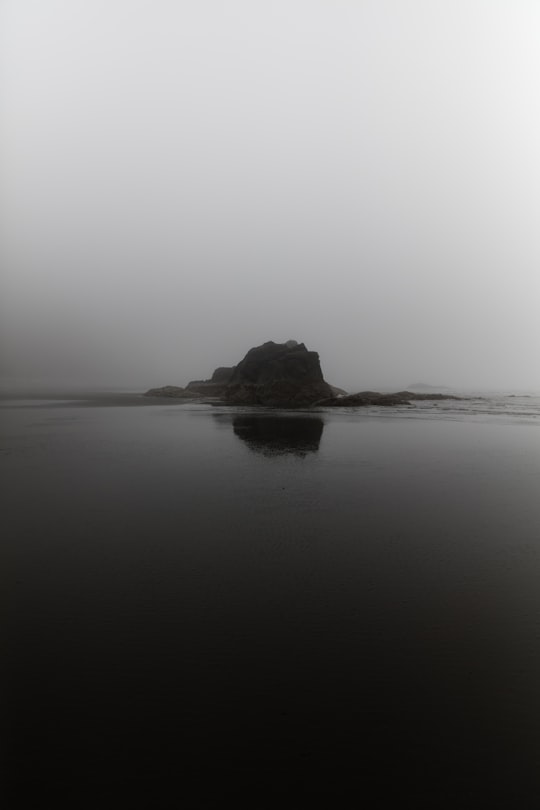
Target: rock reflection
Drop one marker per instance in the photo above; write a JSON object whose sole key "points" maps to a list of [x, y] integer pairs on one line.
{"points": [[279, 435]]}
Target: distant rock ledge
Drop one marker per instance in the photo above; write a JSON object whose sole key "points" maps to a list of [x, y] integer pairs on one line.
{"points": [[365, 398], [282, 375]]}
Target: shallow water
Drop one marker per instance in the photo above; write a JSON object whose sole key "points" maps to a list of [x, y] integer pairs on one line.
{"points": [[191, 584]]}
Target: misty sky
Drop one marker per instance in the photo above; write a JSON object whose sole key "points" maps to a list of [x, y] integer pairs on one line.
{"points": [[184, 179]]}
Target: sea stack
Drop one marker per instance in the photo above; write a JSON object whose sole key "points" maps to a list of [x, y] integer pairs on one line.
{"points": [[279, 375]]}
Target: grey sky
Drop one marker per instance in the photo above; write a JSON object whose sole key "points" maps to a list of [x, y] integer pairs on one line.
{"points": [[185, 179]]}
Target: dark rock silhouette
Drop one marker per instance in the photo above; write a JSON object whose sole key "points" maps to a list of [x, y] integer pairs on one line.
{"points": [[284, 375], [365, 398], [338, 391], [214, 387], [279, 435], [206, 388], [222, 374], [411, 395]]}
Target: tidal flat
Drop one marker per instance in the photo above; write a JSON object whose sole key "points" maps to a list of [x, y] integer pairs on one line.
{"points": [[240, 593]]}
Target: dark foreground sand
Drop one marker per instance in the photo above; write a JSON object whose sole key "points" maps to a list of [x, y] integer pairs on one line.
{"points": [[203, 601]]}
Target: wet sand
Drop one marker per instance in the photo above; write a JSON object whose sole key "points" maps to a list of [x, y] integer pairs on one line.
{"points": [[210, 598]]}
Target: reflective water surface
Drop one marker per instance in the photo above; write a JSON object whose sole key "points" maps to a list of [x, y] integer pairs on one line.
{"points": [[244, 592], [272, 435]]}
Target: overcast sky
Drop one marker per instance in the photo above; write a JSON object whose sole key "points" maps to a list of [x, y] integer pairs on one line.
{"points": [[184, 179]]}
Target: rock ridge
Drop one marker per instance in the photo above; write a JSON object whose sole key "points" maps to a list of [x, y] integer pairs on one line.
{"points": [[283, 375], [277, 375]]}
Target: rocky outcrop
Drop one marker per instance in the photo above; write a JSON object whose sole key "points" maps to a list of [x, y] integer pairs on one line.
{"points": [[206, 388], [214, 387], [365, 398], [284, 375], [222, 374], [337, 392], [413, 395], [173, 391]]}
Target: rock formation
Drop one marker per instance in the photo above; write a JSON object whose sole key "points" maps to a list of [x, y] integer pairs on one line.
{"points": [[338, 391], [284, 375], [365, 398], [222, 374], [214, 387]]}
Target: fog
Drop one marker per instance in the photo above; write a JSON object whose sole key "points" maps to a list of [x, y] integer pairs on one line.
{"points": [[185, 179]]}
